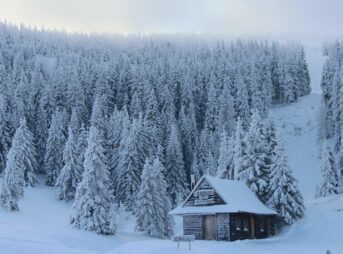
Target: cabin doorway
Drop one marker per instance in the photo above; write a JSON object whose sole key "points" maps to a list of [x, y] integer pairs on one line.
{"points": [[210, 227]]}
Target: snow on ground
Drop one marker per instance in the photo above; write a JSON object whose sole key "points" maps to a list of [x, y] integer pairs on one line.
{"points": [[42, 226], [298, 124]]}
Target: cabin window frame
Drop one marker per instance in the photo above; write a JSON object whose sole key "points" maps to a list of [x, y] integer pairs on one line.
{"points": [[238, 223], [245, 222]]}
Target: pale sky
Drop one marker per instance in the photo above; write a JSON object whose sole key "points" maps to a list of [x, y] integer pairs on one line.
{"points": [[295, 19]]}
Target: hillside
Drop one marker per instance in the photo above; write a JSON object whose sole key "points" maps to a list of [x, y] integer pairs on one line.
{"points": [[42, 224]]}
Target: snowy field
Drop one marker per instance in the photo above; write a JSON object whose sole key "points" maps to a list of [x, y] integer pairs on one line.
{"points": [[42, 227], [42, 224]]}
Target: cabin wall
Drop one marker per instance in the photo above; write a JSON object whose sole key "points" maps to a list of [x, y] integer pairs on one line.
{"points": [[223, 226], [240, 226], [249, 226], [194, 225]]}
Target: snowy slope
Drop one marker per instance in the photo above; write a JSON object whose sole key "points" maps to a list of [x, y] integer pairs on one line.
{"points": [[42, 224], [298, 124]]}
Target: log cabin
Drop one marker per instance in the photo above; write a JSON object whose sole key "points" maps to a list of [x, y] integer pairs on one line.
{"points": [[225, 210]]}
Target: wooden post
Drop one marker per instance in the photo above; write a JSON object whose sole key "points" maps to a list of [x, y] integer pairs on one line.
{"points": [[252, 221]]}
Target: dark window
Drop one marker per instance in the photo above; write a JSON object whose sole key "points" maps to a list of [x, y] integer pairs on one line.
{"points": [[238, 223], [245, 224], [262, 225]]}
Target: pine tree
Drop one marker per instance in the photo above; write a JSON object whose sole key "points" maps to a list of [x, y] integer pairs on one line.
{"points": [[118, 126], [212, 109], [70, 175], [284, 196], [226, 112], [175, 172], [53, 160], [136, 147], [330, 179], [255, 171], [5, 135], [238, 149], [24, 150], [92, 204], [12, 183], [42, 127], [153, 203], [81, 147], [18, 171], [241, 102], [225, 163]]}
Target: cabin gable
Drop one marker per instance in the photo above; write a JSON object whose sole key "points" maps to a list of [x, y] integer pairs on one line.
{"points": [[204, 195]]}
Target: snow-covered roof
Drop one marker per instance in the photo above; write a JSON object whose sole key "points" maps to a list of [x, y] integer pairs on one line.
{"points": [[236, 195]]}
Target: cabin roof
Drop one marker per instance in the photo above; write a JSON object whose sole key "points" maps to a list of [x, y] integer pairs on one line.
{"points": [[237, 196]]}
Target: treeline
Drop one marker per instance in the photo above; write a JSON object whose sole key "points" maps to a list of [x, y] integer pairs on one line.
{"points": [[98, 113], [332, 121]]}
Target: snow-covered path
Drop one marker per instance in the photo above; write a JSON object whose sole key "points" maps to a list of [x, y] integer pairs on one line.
{"points": [[298, 124]]}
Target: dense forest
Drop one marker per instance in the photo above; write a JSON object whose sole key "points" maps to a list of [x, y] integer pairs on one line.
{"points": [[332, 121], [118, 121]]}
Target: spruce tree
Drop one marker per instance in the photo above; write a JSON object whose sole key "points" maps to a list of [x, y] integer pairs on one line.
{"points": [[255, 170], [92, 204], [330, 180], [118, 126], [283, 194], [70, 175], [225, 163], [12, 183], [19, 169], [175, 172], [81, 147], [24, 149], [5, 134], [136, 147], [53, 159], [238, 149], [153, 203]]}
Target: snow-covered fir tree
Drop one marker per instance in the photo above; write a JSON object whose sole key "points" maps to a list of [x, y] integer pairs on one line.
{"points": [[153, 203], [330, 180], [70, 175], [255, 169], [11, 188], [283, 193], [238, 149], [24, 149], [20, 168], [118, 129], [175, 173], [92, 205], [5, 134], [225, 163], [81, 147], [136, 147], [53, 160]]}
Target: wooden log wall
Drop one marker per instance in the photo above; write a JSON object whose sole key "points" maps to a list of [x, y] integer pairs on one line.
{"points": [[210, 198], [223, 226], [193, 225]]}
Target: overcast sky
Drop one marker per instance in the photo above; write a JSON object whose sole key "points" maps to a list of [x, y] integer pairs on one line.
{"points": [[295, 19]]}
